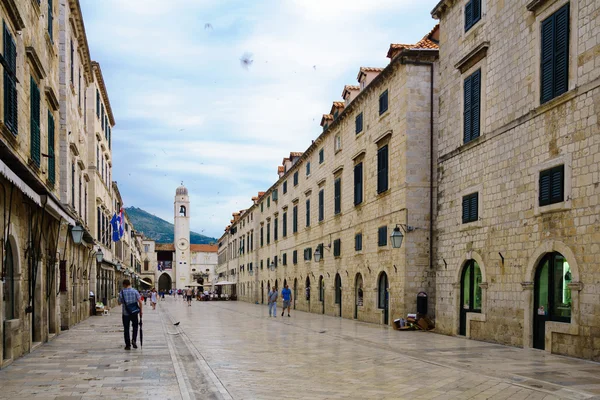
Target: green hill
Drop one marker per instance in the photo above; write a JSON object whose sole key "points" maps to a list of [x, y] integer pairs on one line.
{"points": [[158, 229]]}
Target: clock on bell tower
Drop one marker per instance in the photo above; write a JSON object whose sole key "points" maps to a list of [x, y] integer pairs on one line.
{"points": [[181, 238]]}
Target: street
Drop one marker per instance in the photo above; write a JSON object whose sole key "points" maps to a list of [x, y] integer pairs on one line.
{"points": [[233, 350]]}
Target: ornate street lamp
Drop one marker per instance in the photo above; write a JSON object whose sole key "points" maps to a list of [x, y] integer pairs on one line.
{"points": [[99, 255], [272, 266], [77, 234], [119, 266], [317, 254], [397, 236]]}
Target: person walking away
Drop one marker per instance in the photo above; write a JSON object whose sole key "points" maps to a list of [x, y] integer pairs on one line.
{"points": [[131, 303], [153, 299], [286, 295], [273, 302], [189, 294]]}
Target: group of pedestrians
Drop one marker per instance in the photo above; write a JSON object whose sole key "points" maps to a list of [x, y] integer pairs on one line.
{"points": [[286, 295], [152, 295]]}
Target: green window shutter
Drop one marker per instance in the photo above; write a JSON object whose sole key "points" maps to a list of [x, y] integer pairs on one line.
{"points": [[467, 117], [321, 204], [475, 103], [547, 59], [51, 158], [468, 15], [295, 219], [10, 82], [50, 19], [382, 169], [275, 229], [308, 212], [474, 211], [97, 103], [359, 123], [358, 179], [382, 236], [295, 257], [358, 242], [337, 186], [285, 187], [561, 51], [284, 225], [337, 247], [34, 99], [465, 209]]}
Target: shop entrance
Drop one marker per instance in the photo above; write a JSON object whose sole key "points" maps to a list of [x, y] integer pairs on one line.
{"points": [[470, 293]]}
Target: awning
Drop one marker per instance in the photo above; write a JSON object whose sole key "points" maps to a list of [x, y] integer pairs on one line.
{"points": [[146, 282], [225, 283], [19, 183], [56, 211]]}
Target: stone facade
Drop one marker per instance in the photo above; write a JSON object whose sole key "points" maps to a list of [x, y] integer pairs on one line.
{"points": [[49, 183], [520, 136], [371, 282]]}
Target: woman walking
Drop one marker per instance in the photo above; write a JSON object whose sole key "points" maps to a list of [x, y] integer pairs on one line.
{"points": [[153, 298]]}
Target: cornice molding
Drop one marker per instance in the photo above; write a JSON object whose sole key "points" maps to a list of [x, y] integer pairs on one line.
{"points": [[14, 15], [35, 62], [51, 97], [472, 57]]}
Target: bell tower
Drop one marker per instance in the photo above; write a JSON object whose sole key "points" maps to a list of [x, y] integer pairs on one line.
{"points": [[181, 238]]}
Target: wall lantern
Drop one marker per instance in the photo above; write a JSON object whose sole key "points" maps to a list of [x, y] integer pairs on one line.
{"points": [[119, 266], [99, 255], [77, 234], [272, 266], [317, 254], [397, 236]]}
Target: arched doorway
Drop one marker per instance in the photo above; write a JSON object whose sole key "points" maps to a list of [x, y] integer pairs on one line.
{"points": [[322, 293], [470, 293], [338, 292], [284, 283], [307, 292], [295, 291], [383, 298], [164, 283], [276, 286], [262, 292], [358, 294], [9, 295], [552, 296]]}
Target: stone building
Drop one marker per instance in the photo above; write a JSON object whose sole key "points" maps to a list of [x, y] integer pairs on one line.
{"points": [[51, 179], [324, 226], [518, 246]]}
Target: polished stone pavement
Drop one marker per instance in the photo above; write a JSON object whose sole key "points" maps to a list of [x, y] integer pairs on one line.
{"points": [[233, 350]]}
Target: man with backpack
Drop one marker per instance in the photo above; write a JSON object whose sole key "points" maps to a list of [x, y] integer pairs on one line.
{"points": [[131, 303]]}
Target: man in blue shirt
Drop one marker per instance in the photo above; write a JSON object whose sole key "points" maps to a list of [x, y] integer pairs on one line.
{"points": [[128, 297], [286, 294]]}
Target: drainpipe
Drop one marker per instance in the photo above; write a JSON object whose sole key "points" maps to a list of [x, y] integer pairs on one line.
{"points": [[431, 159]]}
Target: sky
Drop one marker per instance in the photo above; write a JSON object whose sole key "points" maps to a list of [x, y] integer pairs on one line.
{"points": [[188, 110]]}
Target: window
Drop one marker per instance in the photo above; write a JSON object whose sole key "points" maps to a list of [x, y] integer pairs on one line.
{"points": [[275, 229], [307, 168], [261, 264], [262, 207], [472, 13], [308, 212], [358, 184], [50, 18], [275, 261], [382, 169], [73, 185], [284, 224], [268, 201], [321, 156], [295, 219], [72, 61], [262, 236], [337, 247], [338, 143], [335, 114], [295, 257], [307, 254], [51, 159], [383, 102], [102, 116], [97, 103], [470, 212], [321, 204], [268, 233], [472, 93], [35, 150], [284, 187], [296, 178], [146, 248], [10, 82], [555, 54], [146, 265], [358, 122], [337, 196], [284, 259], [382, 236], [552, 183], [358, 242], [321, 251]]}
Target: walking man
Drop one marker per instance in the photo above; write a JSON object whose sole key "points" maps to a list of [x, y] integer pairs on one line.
{"points": [[131, 303], [273, 301], [286, 294], [189, 295]]}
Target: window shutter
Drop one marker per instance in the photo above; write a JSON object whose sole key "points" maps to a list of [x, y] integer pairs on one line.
{"points": [[474, 212], [382, 169], [35, 122], [50, 19], [382, 236], [51, 159], [465, 209], [547, 73], [321, 205], [337, 245], [468, 15], [358, 184], [561, 51], [557, 184], [284, 223], [359, 123], [295, 257], [467, 116], [337, 196], [545, 181], [307, 212], [475, 103]]}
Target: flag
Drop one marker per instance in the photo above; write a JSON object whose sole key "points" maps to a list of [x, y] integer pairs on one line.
{"points": [[121, 223], [114, 222]]}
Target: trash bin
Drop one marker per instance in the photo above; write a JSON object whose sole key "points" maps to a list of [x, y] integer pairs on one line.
{"points": [[422, 303], [92, 304]]}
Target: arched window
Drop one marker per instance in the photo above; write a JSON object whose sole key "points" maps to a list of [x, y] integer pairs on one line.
{"points": [[470, 293], [338, 289], [382, 288]]}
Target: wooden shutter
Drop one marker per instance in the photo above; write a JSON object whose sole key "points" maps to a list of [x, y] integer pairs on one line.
{"points": [[561, 50], [275, 229], [547, 59], [308, 212], [545, 182], [475, 11], [475, 103], [321, 205], [382, 236], [50, 19], [465, 209], [284, 225], [51, 159], [295, 219], [337, 245], [337, 196], [382, 169], [358, 178], [295, 257], [35, 122], [474, 208], [467, 116], [468, 15], [359, 123]]}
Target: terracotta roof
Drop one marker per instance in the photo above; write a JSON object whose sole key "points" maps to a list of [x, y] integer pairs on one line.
{"points": [[280, 168], [326, 117], [206, 248], [296, 154], [261, 194], [284, 160], [164, 247], [339, 104], [364, 70], [349, 88], [425, 43]]}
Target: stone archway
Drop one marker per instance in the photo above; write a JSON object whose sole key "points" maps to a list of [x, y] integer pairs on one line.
{"points": [[468, 257], [165, 283]]}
